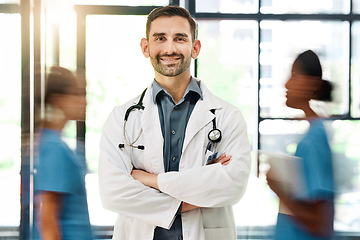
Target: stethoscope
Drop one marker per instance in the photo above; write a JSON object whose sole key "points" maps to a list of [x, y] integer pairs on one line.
{"points": [[139, 106], [214, 135]]}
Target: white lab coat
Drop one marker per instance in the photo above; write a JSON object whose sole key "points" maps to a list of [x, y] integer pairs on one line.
{"points": [[213, 187]]}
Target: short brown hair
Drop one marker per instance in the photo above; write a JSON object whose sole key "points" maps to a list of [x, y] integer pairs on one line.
{"points": [[171, 11]]}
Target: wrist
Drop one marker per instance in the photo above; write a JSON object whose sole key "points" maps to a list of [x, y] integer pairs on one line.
{"points": [[153, 181]]}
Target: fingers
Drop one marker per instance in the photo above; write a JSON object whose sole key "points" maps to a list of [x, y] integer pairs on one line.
{"points": [[226, 163], [223, 159], [270, 174]]}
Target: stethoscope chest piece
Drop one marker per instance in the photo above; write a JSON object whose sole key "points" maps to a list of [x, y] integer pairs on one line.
{"points": [[214, 135]]}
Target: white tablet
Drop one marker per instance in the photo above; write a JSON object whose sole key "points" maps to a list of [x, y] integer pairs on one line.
{"points": [[287, 169]]}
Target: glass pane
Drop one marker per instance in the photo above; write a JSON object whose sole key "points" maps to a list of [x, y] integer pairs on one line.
{"points": [[283, 136], [346, 158], [227, 6], [355, 70], [305, 6], [356, 6], [10, 128], [9, 1], [116, 71], [123, 2], [257, 209], [67, 30], [60, 33], [282, 41], [228, 64], [277, 136]]}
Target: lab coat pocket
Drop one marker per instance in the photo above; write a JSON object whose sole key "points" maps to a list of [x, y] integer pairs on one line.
{"points": [[130, 230], [220, 233], [138, 159], [208, 154], [127, 229]]}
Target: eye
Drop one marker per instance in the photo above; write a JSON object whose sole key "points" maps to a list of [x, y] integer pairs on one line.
{"points": [[159, 39], [180, 39]]}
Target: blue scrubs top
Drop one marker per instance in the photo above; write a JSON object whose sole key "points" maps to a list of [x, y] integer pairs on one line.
{"points": [[59, 169], [316, 157], [173, 119]]}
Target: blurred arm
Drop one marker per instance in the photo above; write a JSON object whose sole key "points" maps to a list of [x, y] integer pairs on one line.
{"points": [[315, 215], [49, 205]]}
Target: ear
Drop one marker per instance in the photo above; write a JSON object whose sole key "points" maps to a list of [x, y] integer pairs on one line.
{"points": [[145, 47], [196, 49]]}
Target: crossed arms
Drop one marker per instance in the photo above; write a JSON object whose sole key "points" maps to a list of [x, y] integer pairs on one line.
{"points": [[150, 179], [155, 198]]}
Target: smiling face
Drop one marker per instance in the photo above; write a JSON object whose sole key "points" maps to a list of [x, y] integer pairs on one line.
{"points": [[170, 46]]}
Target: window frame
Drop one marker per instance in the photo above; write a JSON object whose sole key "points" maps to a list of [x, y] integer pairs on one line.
{"points": [[350, 18], [28, 49]]}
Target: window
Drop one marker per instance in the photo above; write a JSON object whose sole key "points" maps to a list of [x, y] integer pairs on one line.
{"points": [[124, 2], [248, 47], [288, 38], [10, 128], [116, 72], [228, 64], [305, 6], [355, 71], [227, 6], [247, 52], [356, 6]]}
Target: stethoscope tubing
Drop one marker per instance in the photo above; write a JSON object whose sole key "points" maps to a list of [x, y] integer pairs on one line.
{"points": [[214, 136], [127, 142]]}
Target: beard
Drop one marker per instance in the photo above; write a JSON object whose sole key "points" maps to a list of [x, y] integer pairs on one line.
{"points": [[170, 70]]}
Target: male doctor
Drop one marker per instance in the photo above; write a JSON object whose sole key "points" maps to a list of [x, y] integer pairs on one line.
{"points": [[163, 186]]}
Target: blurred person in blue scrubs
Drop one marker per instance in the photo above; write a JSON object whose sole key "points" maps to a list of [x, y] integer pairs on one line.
{"points": [[61, 210], [309, 215]]}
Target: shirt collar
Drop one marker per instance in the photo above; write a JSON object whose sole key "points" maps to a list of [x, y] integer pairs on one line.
{"points": [[193, 87]]}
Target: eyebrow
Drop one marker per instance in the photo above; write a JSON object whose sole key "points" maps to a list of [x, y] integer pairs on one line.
{"points": [[177, 34], [181, 35]]}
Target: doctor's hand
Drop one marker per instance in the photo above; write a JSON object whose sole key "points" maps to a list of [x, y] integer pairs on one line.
{"points": [[188, 207], [148, 179], [223, 159]]}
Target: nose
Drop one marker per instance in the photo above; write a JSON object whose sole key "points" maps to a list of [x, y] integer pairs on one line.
{"points": [[170, 47], [288, 83]]}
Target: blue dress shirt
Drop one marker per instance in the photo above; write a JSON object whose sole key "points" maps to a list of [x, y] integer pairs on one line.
{"points": [[173, 119]]}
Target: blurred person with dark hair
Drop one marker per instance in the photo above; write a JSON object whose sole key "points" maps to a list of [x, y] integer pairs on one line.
{"points": [[309, 215], [61, 210]]}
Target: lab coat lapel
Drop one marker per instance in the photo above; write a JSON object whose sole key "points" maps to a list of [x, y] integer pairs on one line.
{"points": [[153, 138], [200, 116]]}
